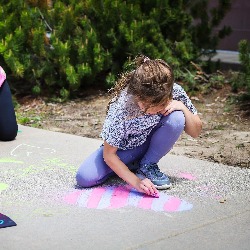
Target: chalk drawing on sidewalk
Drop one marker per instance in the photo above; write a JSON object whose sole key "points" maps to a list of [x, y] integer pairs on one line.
{"points": [[60, 163], [47, 165], [10, 160], [115, 197], [187, 176], [3, 186], [28, 150], [41, 165]]}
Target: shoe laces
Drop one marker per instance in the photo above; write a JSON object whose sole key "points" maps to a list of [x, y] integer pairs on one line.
{"points": [[153, 170]]}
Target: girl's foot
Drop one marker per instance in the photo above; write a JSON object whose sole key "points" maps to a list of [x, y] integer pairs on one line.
{"points": [[153, 173]]}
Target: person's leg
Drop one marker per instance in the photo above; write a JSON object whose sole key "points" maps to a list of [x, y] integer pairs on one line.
{"points": [[8, 124], [162, 139], [94, 171], [164, 136]]}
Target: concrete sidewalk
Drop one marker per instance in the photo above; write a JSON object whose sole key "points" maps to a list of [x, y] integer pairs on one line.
{"points": [[208, 206]]}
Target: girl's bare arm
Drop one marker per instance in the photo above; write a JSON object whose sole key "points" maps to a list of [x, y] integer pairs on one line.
{"points": [[193, 124], [113, 161]]}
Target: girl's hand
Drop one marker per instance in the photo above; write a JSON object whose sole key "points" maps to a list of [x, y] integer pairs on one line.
{"points": [[172, 106], [114, 162], [147, 187], [193, 124]]}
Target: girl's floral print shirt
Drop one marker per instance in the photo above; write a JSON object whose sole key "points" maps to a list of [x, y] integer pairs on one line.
{"points": [[126, 127]]}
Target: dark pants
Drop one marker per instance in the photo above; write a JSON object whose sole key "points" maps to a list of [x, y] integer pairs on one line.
{"points": [[8, 124]]}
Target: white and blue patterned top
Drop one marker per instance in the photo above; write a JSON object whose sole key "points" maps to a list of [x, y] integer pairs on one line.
{"points": [[126, 127]]}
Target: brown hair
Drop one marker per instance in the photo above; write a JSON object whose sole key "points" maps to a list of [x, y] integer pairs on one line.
{"points": [[151, 82]]}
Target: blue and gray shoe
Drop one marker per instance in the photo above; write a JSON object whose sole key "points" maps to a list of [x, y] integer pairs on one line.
{"points": [[153, 173]]}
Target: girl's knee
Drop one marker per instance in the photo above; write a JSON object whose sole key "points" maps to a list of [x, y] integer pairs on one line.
{"points": [[84, 180], [176, 120], [179, 118], [89, 171], [80, 180], [92, 171], [86, 176]]}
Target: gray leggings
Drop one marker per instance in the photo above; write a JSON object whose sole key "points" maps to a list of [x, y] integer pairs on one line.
{"points": [[94, 170]]}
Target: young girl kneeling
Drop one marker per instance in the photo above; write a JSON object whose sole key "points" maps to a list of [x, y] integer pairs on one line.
{"points": [[146, 116]]}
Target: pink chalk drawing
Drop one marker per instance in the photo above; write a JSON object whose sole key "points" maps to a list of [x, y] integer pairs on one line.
{"points": [[115, 197], [187, 176]]}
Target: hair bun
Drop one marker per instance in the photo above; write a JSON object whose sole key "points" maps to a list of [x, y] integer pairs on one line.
{"points": [[139, 60]]}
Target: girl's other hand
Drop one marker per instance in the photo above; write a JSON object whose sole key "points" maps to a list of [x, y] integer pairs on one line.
{"points": [[193, 124], [172, 106], [147, 187]]}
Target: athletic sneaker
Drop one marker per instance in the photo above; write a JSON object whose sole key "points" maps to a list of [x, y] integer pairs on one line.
{"points": [[153, 173]]}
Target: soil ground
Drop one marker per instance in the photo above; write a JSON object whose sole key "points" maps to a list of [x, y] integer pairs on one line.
{"points": [[225, 137]]}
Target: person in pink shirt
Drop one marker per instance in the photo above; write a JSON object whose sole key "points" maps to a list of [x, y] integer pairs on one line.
{"points": [[8, 123]]}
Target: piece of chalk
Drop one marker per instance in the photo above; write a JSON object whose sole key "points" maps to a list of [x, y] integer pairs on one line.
{"points": [[156, 195]]}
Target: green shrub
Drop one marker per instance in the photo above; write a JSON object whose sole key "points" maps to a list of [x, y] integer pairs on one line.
{"points": [[242, 79], [71, 45], [50, 49]]}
